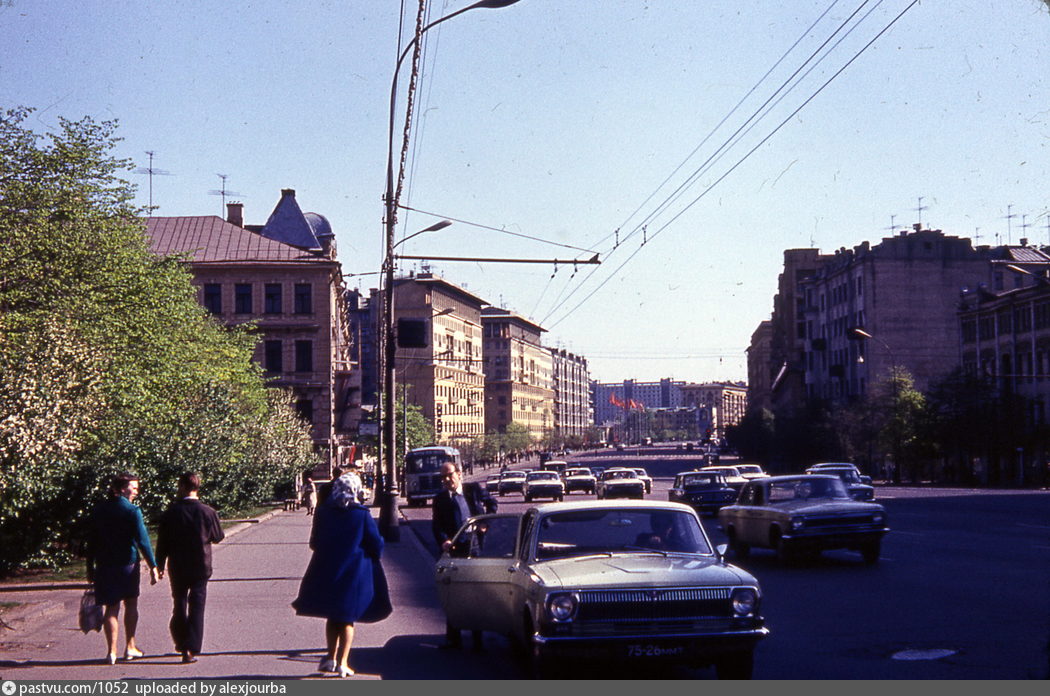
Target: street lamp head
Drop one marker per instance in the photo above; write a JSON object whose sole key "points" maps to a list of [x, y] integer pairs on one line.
{"points": [[440, 225], [493, 4], [862, 333]]}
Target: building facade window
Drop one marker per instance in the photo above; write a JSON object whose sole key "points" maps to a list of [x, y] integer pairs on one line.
{"points": [[305, 409], [304, 356], [272, 299], [304, 298], [272, 356], [213, 298], [242, 298]]}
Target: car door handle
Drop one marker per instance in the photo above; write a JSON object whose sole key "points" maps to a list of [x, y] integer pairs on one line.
{"points": [[511, 569]]}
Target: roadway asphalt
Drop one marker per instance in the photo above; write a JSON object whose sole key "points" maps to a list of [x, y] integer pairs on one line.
{"points": [[251, 631]]}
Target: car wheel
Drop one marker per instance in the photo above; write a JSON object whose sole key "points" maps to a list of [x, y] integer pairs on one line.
{"points": [[871, 551], [740, 550], [784, 551], [736, 665], [561, 498], [528, 499]]}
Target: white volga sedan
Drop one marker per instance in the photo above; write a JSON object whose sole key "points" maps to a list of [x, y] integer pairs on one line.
{"points": [[619, 580]]}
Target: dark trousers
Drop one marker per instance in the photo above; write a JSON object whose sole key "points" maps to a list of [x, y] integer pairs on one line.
{"points": [[187, 617]]}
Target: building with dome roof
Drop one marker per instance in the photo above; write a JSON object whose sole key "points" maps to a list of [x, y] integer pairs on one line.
{"points": [[284, 277]]}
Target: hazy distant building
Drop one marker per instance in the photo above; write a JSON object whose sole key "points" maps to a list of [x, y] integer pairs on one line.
{"points": [[572, 394], [612, 400]]}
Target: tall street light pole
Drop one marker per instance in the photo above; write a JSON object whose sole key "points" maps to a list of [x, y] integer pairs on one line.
{"points": [[896, 405], [388, 523]]}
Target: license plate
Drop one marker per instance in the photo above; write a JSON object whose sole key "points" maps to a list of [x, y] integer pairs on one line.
{"points": [[654, 650]]}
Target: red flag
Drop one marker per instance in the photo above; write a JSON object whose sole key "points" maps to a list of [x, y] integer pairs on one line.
{"points": [[615, 401], [638, 405]]}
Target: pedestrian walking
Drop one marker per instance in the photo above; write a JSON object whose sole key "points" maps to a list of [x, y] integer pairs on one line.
{"points": [[187, 530], [338, 583], [117, 536], [309, 493]]}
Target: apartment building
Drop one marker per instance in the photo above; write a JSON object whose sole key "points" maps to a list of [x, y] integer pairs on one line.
{"points": [[719, 405], [518, 374], [284, 277], [572, 394], [612, 400], [445, 377]]}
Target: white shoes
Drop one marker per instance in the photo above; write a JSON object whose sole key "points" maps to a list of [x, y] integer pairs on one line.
{"points": [[326, 665], [132, 653], [111, 659], [345, 672]]}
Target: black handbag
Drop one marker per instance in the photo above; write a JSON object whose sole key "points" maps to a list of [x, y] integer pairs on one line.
{"points": [[90, 616], [380, 607]]}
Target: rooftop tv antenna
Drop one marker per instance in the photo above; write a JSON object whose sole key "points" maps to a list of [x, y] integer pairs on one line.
{"points": [[1009, 225], [1025, 225], [893, 224], [223, 192], [151, 171], [919, 211]]}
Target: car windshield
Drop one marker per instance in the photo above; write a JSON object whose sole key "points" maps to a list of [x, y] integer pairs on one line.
{"points": [[609, 475], [806, 489], [577, 472], [727, 471], [544, 476], [636, 530], [750, 469], [513, 475], [701, 479], [641, 472]]}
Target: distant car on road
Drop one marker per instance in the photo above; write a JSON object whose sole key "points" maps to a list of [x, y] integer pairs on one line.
{"points": [[855, 486], [579, 478], [625, 581], [620, 483], [543, 484], [806, 513], [511, 482], [492, 483], [836, 465], [732, 474], [646, 479], [705, 491]]}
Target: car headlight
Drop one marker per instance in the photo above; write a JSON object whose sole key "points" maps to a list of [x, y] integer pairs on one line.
{"points": [[798, 523], [562, 607], [745, 601], [413, 484], [878, 518]]}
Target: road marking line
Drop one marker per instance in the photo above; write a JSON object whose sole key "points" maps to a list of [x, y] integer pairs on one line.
{"points": [[1033, 526]]}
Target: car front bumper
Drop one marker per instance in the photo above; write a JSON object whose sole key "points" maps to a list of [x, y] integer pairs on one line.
{"points": [[689, 647], [839, 539]]}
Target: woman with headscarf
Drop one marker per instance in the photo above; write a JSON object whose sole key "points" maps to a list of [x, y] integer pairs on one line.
{"points": [[337, 585]]}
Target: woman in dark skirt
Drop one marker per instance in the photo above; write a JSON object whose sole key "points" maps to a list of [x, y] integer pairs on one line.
{"points": [[117, 537], [338, 584]]}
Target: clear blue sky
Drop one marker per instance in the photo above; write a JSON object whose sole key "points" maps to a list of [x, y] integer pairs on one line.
{"points": [[559, 120]]}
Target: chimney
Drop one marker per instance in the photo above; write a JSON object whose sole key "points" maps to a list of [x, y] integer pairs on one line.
{"points": [[235, 214]]}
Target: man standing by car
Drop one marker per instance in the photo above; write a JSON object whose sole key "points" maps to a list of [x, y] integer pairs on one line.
{"points": [[452, 507], [187, 530]]}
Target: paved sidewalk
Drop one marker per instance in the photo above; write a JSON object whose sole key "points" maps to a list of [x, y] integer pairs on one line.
{"points": [[251, 630]]}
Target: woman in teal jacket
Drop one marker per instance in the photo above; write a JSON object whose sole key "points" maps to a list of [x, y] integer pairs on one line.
{"points": [[117, 536]]}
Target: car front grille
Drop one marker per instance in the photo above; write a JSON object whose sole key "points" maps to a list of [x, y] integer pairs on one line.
{"points": [[657, 610], [843, 521]]}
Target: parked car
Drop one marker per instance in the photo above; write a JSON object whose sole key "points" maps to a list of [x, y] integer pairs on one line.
{"points": [[732, 474], [806, 513], [511, 482], [492, 483], [750, 471], [855, 486], [579, 478], [620, 483], [705, 491], [628, 581], [543, 484], [646, 479]]}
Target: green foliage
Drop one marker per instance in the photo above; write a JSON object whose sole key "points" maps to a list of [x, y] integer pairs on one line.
{"points": [[107, 361]]}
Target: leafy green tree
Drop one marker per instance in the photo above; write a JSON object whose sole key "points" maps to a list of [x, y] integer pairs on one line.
{"points": [[107, 361]]}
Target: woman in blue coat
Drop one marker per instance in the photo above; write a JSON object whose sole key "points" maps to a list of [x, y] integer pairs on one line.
{"points": [[338, 584]]}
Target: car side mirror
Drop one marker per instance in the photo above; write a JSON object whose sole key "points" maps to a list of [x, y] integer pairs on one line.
{"points": [[722, 549]]}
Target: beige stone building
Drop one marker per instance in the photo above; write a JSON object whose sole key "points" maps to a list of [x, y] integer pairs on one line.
{"points": [[446, 377], [284, 277], [719, 405], [518, 374]]}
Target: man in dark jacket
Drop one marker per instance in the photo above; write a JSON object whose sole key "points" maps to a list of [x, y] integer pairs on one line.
{"points": [[452, 506], [187, 530]]}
